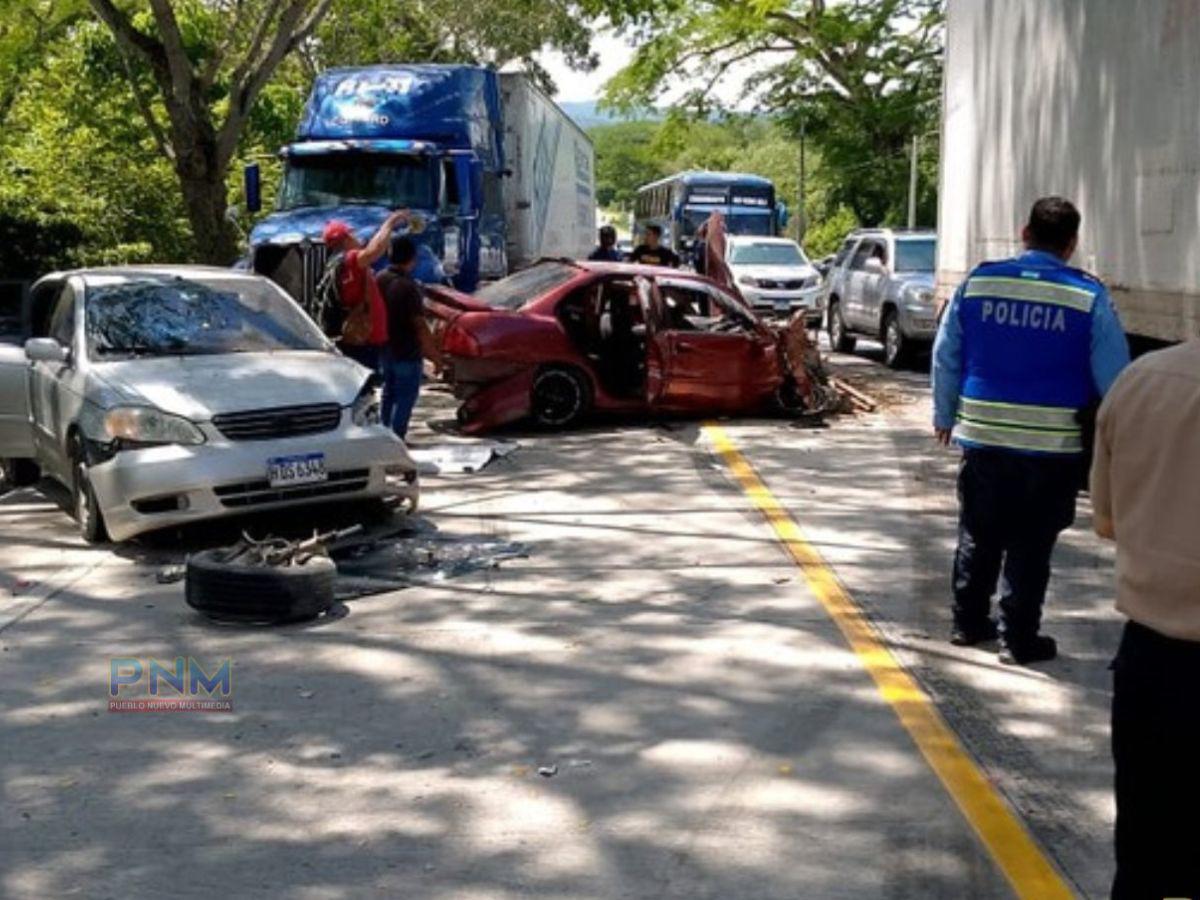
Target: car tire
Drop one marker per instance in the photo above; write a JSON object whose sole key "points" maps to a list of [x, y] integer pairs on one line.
{"points": [[231, 591], [83, 498], [840, 338], [561, 397], [896, 349], [17, 473]]}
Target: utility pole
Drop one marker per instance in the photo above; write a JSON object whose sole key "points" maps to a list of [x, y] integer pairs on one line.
{"points": [[801, 213], [912, 184]]}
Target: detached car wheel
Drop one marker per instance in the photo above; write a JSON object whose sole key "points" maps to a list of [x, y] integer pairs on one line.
{"points": [[561, 397], [839, 338], [87, 510], [895, 344], [239, 592]]}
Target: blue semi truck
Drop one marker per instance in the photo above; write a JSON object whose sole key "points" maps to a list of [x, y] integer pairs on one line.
{"points": [[497, 175]]}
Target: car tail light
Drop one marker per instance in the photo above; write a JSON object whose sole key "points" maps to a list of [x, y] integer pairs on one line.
{"points": [[457, 341]]}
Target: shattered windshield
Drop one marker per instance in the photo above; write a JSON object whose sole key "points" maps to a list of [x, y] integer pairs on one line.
{"points": [[392, 181], [516, 290], [156, 315]]}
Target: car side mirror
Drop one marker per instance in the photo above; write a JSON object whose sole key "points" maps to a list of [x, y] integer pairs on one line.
{"points": [[46, 350], [252, 186]]}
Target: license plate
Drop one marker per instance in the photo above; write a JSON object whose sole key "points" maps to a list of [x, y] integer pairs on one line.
{"points": [[307, 468], [783, 305]]}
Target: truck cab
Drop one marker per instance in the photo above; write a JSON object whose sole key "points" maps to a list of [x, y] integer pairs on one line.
{"points": [[494, 174]]}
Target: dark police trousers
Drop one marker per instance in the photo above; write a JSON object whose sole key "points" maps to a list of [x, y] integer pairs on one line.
{"points": [[1156, 746], [1012, 507]]}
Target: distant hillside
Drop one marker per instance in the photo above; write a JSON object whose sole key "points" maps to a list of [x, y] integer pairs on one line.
{"points": [[586, 115]]}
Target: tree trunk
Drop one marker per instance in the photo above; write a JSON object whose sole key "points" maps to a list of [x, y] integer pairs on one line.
{"points": [[215, 238]]}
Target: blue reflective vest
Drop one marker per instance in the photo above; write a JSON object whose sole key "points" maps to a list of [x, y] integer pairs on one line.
{"points": [[1027, 334]]}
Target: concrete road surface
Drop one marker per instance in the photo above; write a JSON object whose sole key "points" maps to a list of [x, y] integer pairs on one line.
{"points": [[704, 730]]}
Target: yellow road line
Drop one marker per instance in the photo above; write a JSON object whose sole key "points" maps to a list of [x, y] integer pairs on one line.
{"points": [[1019, 857]]}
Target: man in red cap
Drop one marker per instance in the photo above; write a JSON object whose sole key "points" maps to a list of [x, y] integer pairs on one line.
{"points": [[357, 284]]}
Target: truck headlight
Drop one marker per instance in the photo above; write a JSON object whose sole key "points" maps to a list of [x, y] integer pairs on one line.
{"points": [[145, 425]]}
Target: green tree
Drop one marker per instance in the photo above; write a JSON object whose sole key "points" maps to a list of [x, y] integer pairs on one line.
{"points": [[860, 77]]}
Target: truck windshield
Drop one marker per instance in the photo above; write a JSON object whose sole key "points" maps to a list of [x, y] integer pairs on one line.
{"points": [[394, 181], [156, 315], [516, 290], [915, 254], [767, 254]]}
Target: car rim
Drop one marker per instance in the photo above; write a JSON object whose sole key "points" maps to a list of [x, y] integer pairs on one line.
{"points": [[893, 340], [558, 398]]}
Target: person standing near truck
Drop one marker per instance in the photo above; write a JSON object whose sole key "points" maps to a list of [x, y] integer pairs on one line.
{"points": [[1146, 497], [607, 250], [651, 251], [409, 339], [364, 329], [1024, 348]]}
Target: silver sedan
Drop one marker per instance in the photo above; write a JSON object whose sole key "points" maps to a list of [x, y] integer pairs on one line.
{"points": [[167, 395]]}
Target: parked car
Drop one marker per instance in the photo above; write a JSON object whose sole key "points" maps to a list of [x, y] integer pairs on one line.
{"points": [[562, 339], [774, 276], [881, 286], [165, 395]]}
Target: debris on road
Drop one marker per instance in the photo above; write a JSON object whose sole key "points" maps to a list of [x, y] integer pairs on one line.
{"points": [[859, 401], [170, 574], [548, 771], [459, 458]]}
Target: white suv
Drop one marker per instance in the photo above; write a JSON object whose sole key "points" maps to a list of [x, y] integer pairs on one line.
{"points": [[774, 276]]}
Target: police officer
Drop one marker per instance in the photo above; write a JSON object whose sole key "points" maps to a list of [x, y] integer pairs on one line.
{"points": [[1025, 347]]}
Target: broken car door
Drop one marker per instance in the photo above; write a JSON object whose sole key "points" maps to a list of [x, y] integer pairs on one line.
{"points": [[716, 359], [656, 340]]}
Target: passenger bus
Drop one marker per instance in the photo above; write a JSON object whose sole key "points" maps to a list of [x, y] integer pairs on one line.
{"points": [[680, 203]]}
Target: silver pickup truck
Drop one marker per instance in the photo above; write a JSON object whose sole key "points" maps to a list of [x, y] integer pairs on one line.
{"points": [[881, 286]]}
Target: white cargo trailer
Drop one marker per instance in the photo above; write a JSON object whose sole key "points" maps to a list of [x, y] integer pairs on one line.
{"points": [[550, 200], [1096, 100]]}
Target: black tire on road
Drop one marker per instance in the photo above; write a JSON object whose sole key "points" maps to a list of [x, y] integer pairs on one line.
{"points": [[895, 345], [86, 509], [840, 338], [236, 592], [561, 397]]}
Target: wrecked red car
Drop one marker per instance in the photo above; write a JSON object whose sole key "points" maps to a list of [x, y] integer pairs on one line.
{"points": [[564, 339]]}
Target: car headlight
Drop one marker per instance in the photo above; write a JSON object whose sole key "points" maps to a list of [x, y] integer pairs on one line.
{"points": [[922, 297], [748, 280], [365, 410], [146, 425]]}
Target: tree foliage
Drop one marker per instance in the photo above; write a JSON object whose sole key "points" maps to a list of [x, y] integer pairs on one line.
{"points": [[859, 77], [90, 150]]}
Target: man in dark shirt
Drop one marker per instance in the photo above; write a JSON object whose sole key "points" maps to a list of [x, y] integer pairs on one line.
{"points": [[409, 338], [607, 251], [652, 252]]}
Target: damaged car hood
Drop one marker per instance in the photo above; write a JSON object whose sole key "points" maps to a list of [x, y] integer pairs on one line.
{"points": [[199, 387]]}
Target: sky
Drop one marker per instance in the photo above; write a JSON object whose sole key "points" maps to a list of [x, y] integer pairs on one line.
{"points": [[614, 53]]}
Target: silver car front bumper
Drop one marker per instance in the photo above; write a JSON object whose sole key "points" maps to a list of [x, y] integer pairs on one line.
{"points": [[784, 302], [157, 487]]}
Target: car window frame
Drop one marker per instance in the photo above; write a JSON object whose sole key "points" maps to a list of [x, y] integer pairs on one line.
{"points": [[69, 298]]}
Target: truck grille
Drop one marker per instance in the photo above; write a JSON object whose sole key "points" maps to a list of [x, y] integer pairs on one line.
{"points": [[315, 254], [282, 422], [256, 493]]}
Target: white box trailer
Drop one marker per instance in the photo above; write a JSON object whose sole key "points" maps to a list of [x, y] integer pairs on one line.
{"points": [[1096, 100], [550, 199]]}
